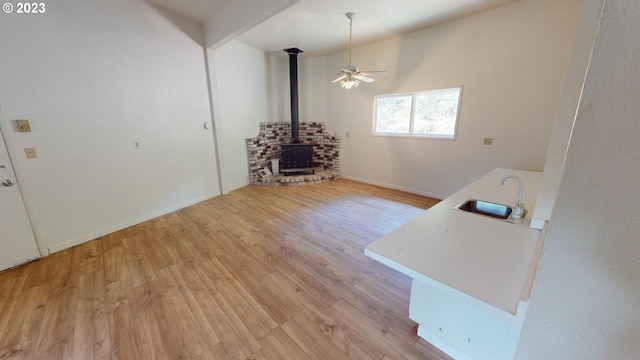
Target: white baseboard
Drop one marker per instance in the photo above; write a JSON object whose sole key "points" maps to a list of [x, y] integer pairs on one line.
{"points": [[441, 344], [234, 187], [394, 187], [88, 237]]}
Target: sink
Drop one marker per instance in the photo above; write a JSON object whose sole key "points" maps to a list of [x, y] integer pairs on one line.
{"points": [[486, 208]]}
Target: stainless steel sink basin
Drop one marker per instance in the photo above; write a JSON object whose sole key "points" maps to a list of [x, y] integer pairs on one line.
{"points": [[486, 208]]}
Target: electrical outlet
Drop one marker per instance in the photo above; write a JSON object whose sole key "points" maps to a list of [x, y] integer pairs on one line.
{"points": [[23, 125], [488, 141], [31, 153]]}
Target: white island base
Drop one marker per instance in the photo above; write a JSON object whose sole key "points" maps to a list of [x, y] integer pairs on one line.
{"points": [[461, 330], [472, 275]]}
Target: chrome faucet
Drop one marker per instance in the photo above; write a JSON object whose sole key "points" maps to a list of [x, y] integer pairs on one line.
{"points": [[518, 212]]}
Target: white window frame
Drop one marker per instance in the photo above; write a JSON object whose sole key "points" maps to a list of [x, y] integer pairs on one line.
{"points": [[413, 95]]}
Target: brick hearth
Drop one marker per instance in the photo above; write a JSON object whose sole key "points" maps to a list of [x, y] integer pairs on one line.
{"points": [[268, 144]]}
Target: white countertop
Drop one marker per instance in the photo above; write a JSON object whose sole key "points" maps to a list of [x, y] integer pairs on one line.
{"points": [[490, 262]]}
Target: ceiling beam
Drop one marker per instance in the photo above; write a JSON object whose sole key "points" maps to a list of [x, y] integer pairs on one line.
{"points": [[239, 16]]}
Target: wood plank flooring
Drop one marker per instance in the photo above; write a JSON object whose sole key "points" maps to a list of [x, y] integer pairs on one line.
{"points": [[260, 273]]}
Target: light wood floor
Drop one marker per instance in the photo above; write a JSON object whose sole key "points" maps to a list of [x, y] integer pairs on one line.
{"points": [[261, 273]]}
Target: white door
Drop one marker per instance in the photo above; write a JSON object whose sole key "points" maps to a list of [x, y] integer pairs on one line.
{"points": [[17, 242]]}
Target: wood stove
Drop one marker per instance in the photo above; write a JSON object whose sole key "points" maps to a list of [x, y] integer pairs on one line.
{"points": [[297, 157]]}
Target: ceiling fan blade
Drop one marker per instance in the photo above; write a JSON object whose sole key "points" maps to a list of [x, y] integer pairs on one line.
{"points": [[339, 78], [379, 72], [361, 77]]}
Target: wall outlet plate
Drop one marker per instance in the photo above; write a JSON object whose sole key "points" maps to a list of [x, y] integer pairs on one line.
{"points": [[23, 125], [31, 153]]}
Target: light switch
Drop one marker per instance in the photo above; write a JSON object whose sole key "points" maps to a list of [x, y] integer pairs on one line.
{"points": [[23, 125], [31, 153], [488, 141]]}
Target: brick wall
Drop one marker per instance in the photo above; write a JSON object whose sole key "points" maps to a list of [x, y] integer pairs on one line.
{"points": [[267, 145]]}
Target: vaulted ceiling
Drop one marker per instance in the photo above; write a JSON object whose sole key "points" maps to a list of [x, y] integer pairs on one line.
{"points": [[320, 27]]}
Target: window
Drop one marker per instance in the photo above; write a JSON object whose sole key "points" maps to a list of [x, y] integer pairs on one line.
{"points": [[429, 114]]}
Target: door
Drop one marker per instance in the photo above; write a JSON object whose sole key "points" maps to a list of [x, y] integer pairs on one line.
{"points": [[17, 242]]}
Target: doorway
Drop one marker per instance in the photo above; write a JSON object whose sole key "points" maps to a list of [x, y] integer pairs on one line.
{"points": [[17, 240]]}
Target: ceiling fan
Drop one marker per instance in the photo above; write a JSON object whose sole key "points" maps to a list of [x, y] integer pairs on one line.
{"points": [[350, 76]]}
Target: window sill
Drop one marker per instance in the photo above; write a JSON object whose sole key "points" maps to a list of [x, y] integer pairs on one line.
{"points": [[421, 137]]}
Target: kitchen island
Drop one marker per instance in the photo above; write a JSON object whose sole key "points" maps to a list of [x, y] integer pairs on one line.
{"points": [[472, 274]]}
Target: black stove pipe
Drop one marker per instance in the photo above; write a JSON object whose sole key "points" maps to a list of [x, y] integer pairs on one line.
{"points": [[293, 81]]}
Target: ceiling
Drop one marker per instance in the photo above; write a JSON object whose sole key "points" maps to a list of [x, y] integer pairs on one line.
{"points": [[320, 27], [198, 10]]}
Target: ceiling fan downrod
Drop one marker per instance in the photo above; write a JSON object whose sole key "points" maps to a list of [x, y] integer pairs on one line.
{"points": [[350, 76], [350, 16]]}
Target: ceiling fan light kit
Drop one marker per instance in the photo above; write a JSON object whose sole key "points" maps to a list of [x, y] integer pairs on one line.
{"points": [[349, 83], [350, 76]]}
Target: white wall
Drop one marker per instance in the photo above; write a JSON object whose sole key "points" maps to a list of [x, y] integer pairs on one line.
{"points": [[512, 62], [580, 55], [241, 103], [92, 76], [313, 82], [312, 88], [279, 100], [585, 299]]}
